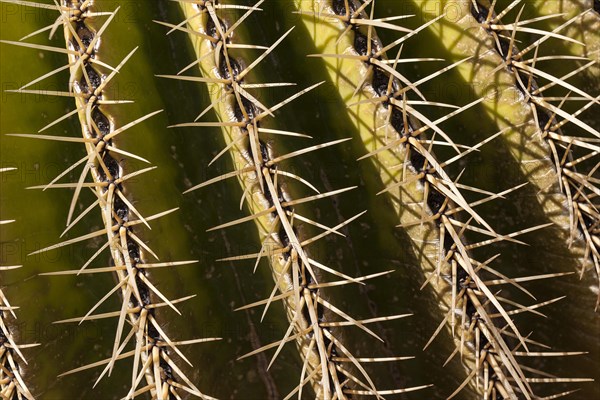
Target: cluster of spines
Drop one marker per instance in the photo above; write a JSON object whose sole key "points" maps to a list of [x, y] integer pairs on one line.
{"points": [[12, 383], [567, 152], [140, 297], [296, 274], [471, 299]]}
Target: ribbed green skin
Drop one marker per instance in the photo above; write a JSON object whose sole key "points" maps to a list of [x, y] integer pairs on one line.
{"points": [[372, 243]]}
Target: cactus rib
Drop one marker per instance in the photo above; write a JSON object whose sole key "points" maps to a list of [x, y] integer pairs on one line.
{"points": [[375, 92], [564, 153], [87, 83], [297, 276]]}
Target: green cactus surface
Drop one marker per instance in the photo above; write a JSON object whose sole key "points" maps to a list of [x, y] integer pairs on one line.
{"points": [[300, 199]]}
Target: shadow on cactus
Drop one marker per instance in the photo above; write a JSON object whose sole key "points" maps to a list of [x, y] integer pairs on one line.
{"points": [[300, 199]]}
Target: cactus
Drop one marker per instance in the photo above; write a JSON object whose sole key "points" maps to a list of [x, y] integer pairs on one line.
{"points": [[388, 199]]}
